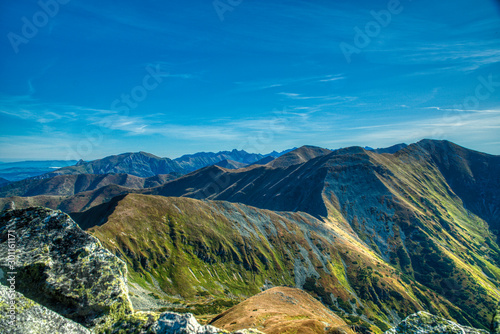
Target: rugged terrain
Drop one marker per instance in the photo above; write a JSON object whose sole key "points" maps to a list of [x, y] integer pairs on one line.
{"points": [[374, 236]]}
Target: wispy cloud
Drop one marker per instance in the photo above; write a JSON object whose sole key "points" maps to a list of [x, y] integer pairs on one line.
{"points": [[285, 82]]}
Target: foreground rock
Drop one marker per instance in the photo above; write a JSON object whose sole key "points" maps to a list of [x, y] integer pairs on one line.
{"points": [[425, 323], [31, 317], [63, 268]]}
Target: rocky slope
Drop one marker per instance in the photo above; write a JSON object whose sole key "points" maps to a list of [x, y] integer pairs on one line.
{"points": [[473, 176]]}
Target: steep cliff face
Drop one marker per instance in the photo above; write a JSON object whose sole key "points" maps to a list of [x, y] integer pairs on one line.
{"points": [[62, 268]]}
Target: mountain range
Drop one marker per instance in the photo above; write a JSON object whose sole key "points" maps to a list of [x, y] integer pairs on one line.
{"points": [[144, 164], [374, 235]]}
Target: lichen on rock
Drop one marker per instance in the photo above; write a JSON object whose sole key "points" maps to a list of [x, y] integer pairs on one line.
{"points": [[30, 317], [62, 267]]}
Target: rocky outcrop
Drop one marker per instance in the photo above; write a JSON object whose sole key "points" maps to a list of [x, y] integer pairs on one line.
{"points": [[426, 323], [175, 323], [30, 317], [61, 267]]}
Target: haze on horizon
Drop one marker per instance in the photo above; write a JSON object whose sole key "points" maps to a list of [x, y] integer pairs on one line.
{"points": [[86, 79]]}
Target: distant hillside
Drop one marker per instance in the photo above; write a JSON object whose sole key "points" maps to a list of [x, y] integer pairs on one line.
{"points": [[230, 164], [264, 161], [391, 150], [139, 164], [144, 164], [3, 182], [68, 185], [196, 161], [298, 156]]}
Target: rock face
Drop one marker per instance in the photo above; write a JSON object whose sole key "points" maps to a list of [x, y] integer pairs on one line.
{"points": [[425, 323], [63, 268], [31, 317]]}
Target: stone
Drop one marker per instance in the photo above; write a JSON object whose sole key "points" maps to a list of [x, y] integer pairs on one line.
{"points": [[175, 323], [426, 323], [32, 318], [63, 268]]}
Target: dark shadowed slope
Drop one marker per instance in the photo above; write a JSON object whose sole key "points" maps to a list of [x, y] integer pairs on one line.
{"points": [[3, 182], [473, 176]]}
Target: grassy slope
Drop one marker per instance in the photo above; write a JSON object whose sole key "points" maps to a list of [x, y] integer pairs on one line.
{"points": [[207, 256], [280, 310]]}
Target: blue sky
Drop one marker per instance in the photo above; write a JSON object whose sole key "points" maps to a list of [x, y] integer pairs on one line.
{"points": [[86, 79]]}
